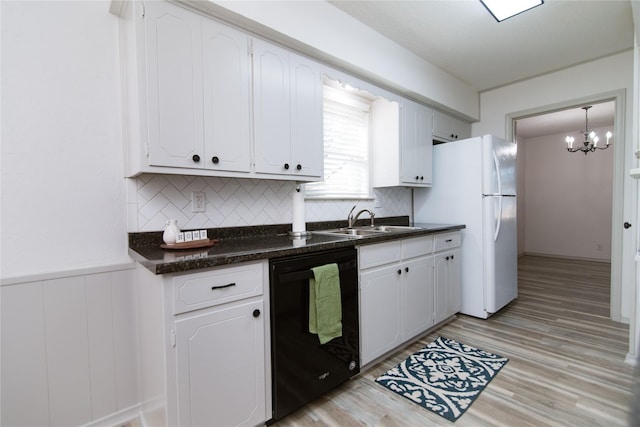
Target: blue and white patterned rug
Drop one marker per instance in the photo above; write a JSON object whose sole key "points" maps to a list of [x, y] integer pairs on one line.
{"points": [[444, 377]]}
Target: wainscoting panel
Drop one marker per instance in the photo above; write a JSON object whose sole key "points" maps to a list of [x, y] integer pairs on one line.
{"points": [[68, 350]]}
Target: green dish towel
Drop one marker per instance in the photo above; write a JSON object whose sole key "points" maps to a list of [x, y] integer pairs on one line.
{"points": [[325, 305]]}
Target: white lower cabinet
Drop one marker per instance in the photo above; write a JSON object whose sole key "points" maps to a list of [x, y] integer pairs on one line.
{"points": [[447, 284], [396, 294], [206, 334], [220, 367], [405, 290], [447, 279]]}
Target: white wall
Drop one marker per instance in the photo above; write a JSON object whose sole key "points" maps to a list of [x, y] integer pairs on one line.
{"points": [[63, 198], [68, 337], [567, 199]]}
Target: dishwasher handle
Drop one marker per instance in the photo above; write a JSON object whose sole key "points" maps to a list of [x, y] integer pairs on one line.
{"points": [[308, 274]]}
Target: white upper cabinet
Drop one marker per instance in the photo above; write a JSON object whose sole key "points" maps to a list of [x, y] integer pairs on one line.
{"points": [[227, 85], [188, 85], [448, 128], [174, 86], [287, 112], [402, 144], [417, 144]]}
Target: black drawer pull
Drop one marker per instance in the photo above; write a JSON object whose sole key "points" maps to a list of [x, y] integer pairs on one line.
{"points": [[213, 288], [256, 313], [449, 240]]}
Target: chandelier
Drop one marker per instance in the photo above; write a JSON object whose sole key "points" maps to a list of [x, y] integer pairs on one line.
{"points": [[591, 140]]}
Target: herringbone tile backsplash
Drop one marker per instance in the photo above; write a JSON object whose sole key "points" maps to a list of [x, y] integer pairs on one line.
{"points": [[232, 202]]}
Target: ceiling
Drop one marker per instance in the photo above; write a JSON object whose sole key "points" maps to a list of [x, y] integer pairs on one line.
{"points": [[462, 38]]}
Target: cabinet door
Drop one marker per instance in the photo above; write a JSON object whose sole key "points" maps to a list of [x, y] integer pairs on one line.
{"points": [[272, 133], [448, 299], [380, 312], [442, 126], [418, 295], [226, 83], [417, 145], [461, 130], [174, 86], [454, 290], [307, 140], [221, 367]]}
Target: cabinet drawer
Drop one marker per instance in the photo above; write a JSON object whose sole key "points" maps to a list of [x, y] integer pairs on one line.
{"points": [[379, 254], [446, 241], [213, 287], [417, 246]]}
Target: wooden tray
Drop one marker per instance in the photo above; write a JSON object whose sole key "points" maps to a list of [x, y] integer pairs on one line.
{"points": [[205, 243]]}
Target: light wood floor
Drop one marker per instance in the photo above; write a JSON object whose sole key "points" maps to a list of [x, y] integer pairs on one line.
{"points": [[566, 364]]}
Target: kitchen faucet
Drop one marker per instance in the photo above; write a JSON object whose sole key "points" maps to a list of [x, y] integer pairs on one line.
{"points": [[352, 220]]}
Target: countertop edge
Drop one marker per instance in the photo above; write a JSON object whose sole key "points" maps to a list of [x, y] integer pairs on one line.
{"points": [[210, 261]]}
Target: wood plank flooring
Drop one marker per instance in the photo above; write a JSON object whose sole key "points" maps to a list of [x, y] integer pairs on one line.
{"points": [[566, 364]]}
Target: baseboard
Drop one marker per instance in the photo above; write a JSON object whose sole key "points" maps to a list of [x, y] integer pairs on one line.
{"points": [[127, 416]]}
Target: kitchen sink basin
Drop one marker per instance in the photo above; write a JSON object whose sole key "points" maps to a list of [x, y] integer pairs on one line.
{"points": [[359, 232]]}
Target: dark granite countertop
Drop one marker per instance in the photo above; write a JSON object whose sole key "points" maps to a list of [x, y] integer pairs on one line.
{"points": [[240, 244]]}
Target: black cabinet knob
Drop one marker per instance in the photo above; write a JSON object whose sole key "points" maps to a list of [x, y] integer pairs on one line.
{"points": [[627, 225], [399, 271], [422, 178], [286, 166], [451, 256], [196, 158], [299, 166], [447, 258], [256, 313], [453, 136], [417, 177], [215, 160], [406, 269]]}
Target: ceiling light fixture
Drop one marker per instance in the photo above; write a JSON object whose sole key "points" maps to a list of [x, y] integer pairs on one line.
{"points": [[590, 142], [503, 9]]}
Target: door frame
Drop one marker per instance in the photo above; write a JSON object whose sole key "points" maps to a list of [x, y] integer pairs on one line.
{"points": [[617, 208]]}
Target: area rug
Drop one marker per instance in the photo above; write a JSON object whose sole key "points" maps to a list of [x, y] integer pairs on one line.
{"points": [[444, 377]]}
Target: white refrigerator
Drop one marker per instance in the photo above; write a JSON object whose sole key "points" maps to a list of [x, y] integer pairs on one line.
{"points": [[474, 183]]}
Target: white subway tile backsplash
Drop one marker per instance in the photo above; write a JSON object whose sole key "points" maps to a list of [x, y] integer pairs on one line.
{"points": [[232, 202]]}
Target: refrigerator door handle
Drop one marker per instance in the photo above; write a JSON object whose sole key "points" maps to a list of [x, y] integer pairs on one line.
{"points": [[496, 162], [499, 222]]}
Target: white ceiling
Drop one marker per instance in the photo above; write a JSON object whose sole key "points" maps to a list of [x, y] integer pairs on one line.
{"points": [[462, 38]]}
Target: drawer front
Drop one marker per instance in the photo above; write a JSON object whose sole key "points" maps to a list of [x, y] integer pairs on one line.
{"points": [[417, 246], [379, 254], [446, 241], [213, 287]]}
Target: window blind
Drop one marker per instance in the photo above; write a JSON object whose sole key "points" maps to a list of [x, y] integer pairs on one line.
{"points": [[346, 147]]}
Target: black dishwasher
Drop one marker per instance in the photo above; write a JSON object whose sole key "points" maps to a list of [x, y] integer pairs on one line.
{"points": [[302, 368]]}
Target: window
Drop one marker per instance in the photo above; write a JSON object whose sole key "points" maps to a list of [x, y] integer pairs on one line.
{"points": [[346, 147]]}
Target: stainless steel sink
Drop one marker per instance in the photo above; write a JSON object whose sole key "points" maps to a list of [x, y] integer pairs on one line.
{"points": [[351, 232], [360, 232], [394, 228]]}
